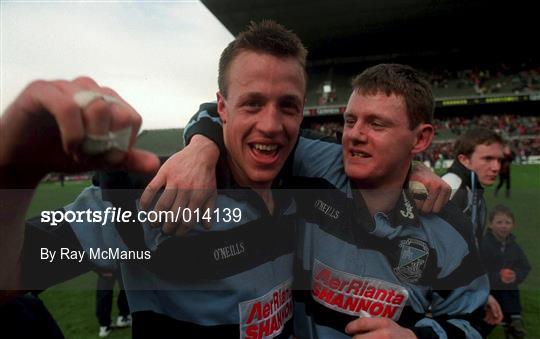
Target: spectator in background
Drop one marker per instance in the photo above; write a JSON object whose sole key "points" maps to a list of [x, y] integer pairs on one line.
{"points": [[104, 298], [477, 162], [504, 173], [507, 267]]}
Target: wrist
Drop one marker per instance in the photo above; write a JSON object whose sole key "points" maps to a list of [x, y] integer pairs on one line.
{"points": [[207, 147]]}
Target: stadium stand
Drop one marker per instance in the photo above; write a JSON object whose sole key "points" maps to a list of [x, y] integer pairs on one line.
{"points": [[460, 83], [162, 142]]}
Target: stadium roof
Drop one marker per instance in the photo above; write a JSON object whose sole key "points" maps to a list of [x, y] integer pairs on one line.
{"points": [[351, 28]]}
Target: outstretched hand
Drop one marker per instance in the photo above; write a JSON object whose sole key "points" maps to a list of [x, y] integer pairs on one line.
{"points": [[44, 128]]}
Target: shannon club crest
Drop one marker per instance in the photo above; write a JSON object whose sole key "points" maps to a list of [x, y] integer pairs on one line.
{"points": [[412, 260]]}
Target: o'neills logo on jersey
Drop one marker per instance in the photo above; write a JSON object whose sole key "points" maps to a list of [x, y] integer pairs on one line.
{"points": [[357, 296], [266, 316], [229, 251], [327, 209]]}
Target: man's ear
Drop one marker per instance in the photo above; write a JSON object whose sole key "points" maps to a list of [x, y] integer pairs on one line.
{"points": [[222, 110], [464, 160], [424, 136]]}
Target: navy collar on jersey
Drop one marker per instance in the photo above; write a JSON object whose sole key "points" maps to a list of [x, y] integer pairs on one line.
{"points": [[283, 200], [464, 173], [404, 212]]}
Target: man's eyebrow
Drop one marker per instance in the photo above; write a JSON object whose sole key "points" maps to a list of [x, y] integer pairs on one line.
{"points": [[291, 97], [251, 95]]}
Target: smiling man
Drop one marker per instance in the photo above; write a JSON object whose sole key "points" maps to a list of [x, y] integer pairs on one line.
{"points": [[232, 282], [391, 262], [261, 108]]}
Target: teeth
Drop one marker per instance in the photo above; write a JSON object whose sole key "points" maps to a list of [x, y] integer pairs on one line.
{"points": [[359, 154], [263, 147]]}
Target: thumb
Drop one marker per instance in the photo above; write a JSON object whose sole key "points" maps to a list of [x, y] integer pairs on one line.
{"points": [[141, 161]]}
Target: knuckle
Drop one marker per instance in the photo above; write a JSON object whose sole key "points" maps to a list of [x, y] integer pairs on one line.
{"points": [[66, 109], [109, 91], [155, 184], [85, 81], [98, 109], [36, 85], [120, 117], [136, 119]]}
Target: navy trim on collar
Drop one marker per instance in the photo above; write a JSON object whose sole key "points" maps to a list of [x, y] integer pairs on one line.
{"points": [[404, 212], [464, 173]]}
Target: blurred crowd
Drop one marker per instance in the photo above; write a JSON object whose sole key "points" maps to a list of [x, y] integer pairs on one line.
{"points": [[515, 78], [508, 125]]}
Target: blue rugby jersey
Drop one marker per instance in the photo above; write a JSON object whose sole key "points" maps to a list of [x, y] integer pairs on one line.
{"points": [[400, 265], [442, 276], [187, 290]]}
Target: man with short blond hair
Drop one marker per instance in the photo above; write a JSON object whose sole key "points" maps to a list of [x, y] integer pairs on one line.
{"points": [[239, 265]]}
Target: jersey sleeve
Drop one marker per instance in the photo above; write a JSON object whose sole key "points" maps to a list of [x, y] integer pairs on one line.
{"points": [[206, 122], [461, 290], [317, 158]]}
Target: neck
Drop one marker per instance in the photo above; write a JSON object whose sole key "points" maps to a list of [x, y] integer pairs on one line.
{"points": [[262, 189], [380, 200], [382, 197], [500, 238], [266, 196]]}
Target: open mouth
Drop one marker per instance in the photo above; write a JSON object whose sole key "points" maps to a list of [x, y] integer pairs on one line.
{"points": [[360, 154], [265, 152]]}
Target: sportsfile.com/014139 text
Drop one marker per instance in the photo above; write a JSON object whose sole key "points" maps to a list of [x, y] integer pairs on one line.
{"points": [[114, 214]]}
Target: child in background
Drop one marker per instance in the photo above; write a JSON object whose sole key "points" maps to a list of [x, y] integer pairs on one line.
{"points": [[507, 267]]}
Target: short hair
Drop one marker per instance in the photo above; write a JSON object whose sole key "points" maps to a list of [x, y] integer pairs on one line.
{"points": [[400, 80], [266, 37], [501, 209], [468, 141]]}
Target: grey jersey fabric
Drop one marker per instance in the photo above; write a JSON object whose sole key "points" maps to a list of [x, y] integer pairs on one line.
{"points": [[407, 264]]}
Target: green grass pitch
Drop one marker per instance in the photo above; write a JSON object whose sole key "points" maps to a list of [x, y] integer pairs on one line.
{"points": [[73, 302]]}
